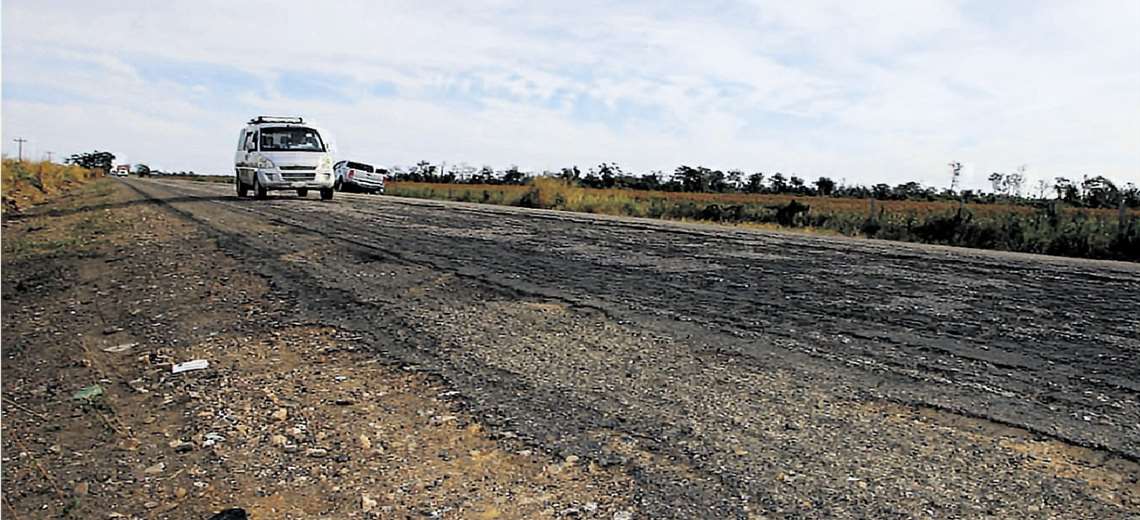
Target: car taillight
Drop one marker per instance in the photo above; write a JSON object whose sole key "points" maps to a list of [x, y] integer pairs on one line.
{"points": [[351, 173]]}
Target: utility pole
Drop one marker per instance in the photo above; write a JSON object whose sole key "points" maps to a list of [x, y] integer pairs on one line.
{"points": [[20, 142], [49, 155]]}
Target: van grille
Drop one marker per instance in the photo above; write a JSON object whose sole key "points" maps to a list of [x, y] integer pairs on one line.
{"points": [[297, 168], [298, 176]]}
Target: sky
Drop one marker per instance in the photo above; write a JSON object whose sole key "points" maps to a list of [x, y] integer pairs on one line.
{"points": [[862, 92]]}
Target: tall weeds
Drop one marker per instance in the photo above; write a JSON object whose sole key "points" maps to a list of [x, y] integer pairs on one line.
{"points": [[25, 183]]}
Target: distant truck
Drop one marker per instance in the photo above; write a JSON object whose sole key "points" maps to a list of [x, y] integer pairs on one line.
{"points": [[121, 170], [282, 153]]}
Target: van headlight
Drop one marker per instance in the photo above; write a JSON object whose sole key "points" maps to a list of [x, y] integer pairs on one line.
{"points": [[265, 164]]}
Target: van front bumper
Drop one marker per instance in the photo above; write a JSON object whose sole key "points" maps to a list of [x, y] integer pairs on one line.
{"points": [[295, 180]]}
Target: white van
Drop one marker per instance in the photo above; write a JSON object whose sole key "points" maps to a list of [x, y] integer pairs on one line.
{"points": [[282, 153]]}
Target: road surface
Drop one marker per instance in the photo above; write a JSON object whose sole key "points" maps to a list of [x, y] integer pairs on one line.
{"points": [[731, 372]]}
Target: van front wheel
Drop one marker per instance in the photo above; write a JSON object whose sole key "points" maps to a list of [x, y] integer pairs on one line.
{"points": [[259, 191], [326, 193], [242, 189]]}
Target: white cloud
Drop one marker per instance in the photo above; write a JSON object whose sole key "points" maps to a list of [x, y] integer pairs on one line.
{"points": [[867, 91]]}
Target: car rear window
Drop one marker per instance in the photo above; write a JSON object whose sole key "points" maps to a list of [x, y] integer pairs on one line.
{"points": [[359, 166]]}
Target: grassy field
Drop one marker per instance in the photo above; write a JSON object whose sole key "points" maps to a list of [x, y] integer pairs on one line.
{"points": [[27, 183], [1046, 228]]}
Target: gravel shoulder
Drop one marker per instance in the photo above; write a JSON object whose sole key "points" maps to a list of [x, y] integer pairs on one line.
{"points": [[663, 370]]}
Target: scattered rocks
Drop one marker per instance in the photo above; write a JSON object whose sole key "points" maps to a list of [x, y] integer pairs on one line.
{"points": [[280, 415], [180, 446], [317, 453], [235, 513], [367, 503], [155, 469], [122, 347]]}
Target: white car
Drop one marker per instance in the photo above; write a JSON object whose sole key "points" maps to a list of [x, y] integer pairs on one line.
{"points": [[282, 153], [352, 175]]}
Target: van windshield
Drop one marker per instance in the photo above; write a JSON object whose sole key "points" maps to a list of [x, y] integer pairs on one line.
{"points": [[291, 139]]}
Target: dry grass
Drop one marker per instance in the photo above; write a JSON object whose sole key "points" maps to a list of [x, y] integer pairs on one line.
{"points": [[1059, 230], [27, 183], [552, 193]]}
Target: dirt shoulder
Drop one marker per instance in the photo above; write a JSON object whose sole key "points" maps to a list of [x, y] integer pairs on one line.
{"points": [[104, 291]]}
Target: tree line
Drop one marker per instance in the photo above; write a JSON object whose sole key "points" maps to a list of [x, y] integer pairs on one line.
{"points": [[1092, 192]]}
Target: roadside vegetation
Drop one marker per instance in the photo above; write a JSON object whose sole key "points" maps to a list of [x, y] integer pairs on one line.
{"points": [[1084, 220], [26, 183]]}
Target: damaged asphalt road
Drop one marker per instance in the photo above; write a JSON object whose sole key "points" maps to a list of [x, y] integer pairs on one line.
{"points": [[732, 373]]}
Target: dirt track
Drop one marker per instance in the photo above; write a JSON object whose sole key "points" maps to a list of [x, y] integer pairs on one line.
{"points": [[731, 372]]}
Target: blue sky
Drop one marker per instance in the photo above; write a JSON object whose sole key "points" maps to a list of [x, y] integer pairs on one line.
{"points": [[869, 91]]}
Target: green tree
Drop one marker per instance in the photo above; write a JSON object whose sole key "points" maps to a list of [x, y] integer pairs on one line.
{"points": [[513, 176], [778, 183], [881, 191], [571, 174], [693, 179], [717, 181], [1099, 192], [1066, 190], [735, 179], [825, 186], [610, 174], [755, 183], [93, 160], [797, 184]]}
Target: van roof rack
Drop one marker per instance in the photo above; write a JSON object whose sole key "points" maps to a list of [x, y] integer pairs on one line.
{"points": [[275, 119]]}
